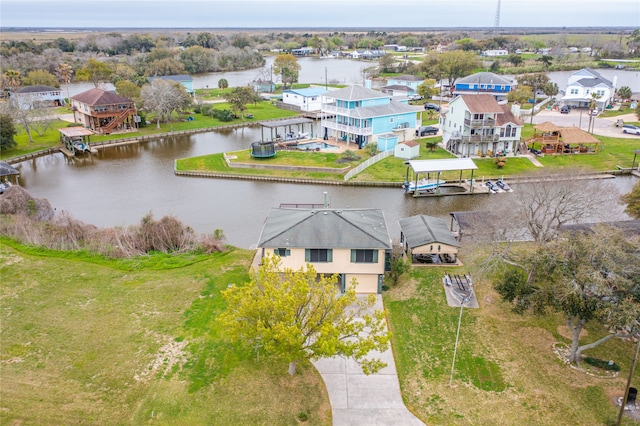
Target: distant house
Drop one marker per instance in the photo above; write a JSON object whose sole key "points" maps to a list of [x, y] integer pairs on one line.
{"points": [[103, 111], [28, 97], [495, 52], [582, 85], [184, 79], [485, 82], [363, 115], [478, 125], [410, 81], [302, 51], [397, 90], [264, 86], [353, 243], [309, 99], [367, 54]]}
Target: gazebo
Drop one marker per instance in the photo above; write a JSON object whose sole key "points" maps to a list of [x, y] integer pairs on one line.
{"points": [[554, 139]]}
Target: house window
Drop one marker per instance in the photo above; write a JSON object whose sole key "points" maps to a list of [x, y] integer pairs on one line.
{"points": [[318, 255], [282, 252], [574, 91], [600, 93], [391, 120], [364, 256]]}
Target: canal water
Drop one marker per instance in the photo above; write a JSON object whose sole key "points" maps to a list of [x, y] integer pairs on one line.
{"points": [[120, 185]]}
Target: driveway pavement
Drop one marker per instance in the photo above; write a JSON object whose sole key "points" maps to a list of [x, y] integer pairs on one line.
{"points": [[357, 399], [601, 126]]}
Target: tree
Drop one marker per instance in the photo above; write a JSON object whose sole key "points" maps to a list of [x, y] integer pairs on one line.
{"points": [[65, 71], [546, 60], [223, 83], [587, 276], [197, 59], [632, 200], [163, 97], [536, 82], [7, 132], [165, 66], [12, 79], [128, 90], [41, 77], [239, 98], [94, 71], [624, 92], [520, 95], [451, 65], [515, 59], [427, 88], [287, 67], [298, 315], [387, 63]]}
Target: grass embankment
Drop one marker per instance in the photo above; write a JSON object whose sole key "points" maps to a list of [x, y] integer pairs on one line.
{"points": [[95, 341], [505, 371], [51, 138]]}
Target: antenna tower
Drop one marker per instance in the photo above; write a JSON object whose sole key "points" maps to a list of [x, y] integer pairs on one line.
{"points": [[496, 22]]}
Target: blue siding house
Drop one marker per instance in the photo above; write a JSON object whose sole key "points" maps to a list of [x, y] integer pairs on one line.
{"points": [[183, 79], [359, 115], [486, 83], [411, 81]]}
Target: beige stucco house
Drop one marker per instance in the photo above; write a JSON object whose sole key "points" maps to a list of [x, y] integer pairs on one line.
{"points": [[353, 243]]}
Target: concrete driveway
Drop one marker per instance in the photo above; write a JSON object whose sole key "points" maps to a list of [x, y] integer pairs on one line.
{"points": [[357, 399], [601, 126]]}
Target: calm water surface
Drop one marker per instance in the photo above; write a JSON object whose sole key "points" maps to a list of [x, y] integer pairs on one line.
{"points": [[120, 185]]}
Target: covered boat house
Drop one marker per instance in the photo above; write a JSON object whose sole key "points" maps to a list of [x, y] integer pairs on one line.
{"points": [[428, 240], [432, 171]]}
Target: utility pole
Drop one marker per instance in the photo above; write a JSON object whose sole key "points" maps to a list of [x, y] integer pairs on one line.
{"points": [[626, 392], [326, 83]]}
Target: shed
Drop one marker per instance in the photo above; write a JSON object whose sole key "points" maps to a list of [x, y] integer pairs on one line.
{"points": [[387, 141], [427, 239], [406, 150]]}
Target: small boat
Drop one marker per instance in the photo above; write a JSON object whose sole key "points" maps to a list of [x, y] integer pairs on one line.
{"points": [[424, 185], [80, 148], [503, 185]]}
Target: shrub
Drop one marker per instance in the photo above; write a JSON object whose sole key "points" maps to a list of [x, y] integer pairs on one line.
{"points": [[372, 149], [349, 155]]}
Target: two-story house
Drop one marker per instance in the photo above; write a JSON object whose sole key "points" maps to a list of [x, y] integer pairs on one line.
{"points": [[309, 99], [103, 111], [478, 125], [485, 82], [584, 85], [359, 115], [36, 96], [353, 243]]}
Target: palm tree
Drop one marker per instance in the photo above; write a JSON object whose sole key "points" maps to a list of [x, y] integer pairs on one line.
{"points": [[64, 72], [12, 78]]}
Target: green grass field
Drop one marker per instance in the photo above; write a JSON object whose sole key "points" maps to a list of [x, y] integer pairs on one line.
{"points": [[505, 371], [92, 341]]}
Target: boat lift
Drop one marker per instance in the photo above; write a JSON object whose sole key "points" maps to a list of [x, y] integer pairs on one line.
{"points": [[436, 167]]}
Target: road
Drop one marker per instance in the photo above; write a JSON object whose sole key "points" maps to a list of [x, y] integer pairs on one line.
{"points": [[601, 126]]}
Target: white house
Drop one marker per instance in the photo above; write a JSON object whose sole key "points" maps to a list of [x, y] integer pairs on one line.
{"points": [[309, 99], [584, 85], [38, 96], [495, 52], [478, 125]]}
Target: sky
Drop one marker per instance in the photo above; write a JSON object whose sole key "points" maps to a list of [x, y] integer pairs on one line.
{"points": [[317, 13]]}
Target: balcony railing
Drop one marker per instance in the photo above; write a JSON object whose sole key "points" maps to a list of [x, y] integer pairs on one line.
{"points": [[487, 122], [364, 131], [332, 108]]}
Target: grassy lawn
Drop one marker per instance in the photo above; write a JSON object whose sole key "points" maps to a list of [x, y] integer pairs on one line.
{"points": [[260, 111], [93, 341], [505, 371]]}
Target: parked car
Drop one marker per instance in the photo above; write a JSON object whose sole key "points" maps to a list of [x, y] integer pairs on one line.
{"points": [[630, 128], [565, 109], [431, 106], [595, 111], [415, 97], [427, 130]]}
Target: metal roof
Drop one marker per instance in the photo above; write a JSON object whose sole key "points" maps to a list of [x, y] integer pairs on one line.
{"points": [[309, 91], [447, 164], [325, 228], [422, 230], [76, 131], [286, 122]]}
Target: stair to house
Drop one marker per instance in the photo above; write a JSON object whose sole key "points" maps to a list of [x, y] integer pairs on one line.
{"points": [[117, 120]]}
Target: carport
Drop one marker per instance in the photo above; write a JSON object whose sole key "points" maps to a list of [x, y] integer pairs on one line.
{"points": [[428, 240]]}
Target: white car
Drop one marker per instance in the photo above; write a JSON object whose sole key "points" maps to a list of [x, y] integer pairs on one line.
{"points": [[595, 111], [630, 128], [415, 97]]}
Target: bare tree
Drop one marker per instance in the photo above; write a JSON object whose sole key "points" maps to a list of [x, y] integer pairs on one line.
{"points": [[163, 97]]}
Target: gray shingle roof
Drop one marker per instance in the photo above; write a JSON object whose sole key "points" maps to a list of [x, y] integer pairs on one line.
{"points": [[422, 230], [485, 78], [356, 93], [391, 108], [325, 228], [593, 82]]}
